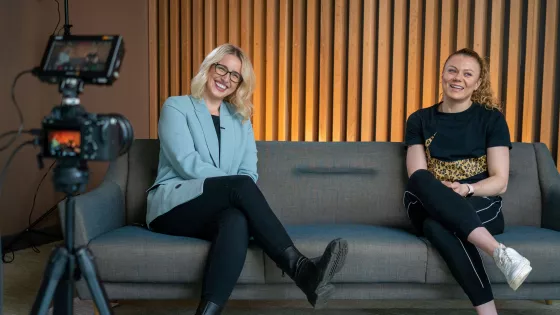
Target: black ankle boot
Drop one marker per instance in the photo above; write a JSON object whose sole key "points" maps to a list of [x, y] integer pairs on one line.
{"points": [[208, 308], [313, 277]]}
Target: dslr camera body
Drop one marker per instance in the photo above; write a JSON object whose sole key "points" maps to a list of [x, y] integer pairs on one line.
{"points": [[69, 132]]}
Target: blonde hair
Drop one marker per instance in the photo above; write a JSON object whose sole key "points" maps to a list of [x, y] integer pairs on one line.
{"points": [[241, 97], [483, 95]]}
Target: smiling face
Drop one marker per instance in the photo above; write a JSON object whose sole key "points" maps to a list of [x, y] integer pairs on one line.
{"points": [[460, 78], [222, 76]]}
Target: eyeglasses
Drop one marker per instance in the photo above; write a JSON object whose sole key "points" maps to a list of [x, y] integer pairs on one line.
{"points": [[222, 70]]}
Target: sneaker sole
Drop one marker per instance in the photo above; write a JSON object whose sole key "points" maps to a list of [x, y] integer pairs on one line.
{"points": [[520, 275]]}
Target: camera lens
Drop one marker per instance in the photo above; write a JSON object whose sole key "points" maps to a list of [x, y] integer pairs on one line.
{"points": [[121, 134]]}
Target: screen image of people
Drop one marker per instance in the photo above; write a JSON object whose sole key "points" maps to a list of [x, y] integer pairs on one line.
{"points": [[79, 56], [64, 143]]}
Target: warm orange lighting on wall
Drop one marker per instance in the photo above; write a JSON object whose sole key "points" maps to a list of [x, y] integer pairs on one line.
{"points": [[337, 70]]}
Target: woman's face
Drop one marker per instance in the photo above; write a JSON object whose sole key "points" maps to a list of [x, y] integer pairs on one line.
{"points": [[460, 77], [224, 77]]}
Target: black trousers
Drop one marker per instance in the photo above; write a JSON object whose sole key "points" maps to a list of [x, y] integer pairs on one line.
{"points": [[446, 219], [228, 213]]}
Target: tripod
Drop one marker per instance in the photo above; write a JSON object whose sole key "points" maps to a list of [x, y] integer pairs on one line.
{"points": [[67, 264]]}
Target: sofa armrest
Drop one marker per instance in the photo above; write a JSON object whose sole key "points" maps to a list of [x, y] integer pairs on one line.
{"points": [[549, 180], [96, 212]]}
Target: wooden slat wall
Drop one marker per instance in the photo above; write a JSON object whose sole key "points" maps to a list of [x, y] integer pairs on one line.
{"points": [[354, 70]]}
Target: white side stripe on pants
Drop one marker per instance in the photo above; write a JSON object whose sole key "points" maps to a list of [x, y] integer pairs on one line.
{"points": [[471, 261]]}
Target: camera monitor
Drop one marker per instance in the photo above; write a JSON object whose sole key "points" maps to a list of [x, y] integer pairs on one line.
{"points": [[62, 143], [92, 59]]}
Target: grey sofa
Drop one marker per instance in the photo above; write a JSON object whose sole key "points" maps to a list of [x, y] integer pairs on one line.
{"points": [[320, 191]]}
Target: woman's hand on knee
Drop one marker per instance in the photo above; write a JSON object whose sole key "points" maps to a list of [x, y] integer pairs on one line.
{"points": [[447, 184], [459, 188]]}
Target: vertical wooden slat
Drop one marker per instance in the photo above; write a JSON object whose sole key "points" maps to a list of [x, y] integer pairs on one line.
{"points": [[528, 130], [174, 45], [368, 71], [464, 22], [513, 75], [298, 76], [284, 73], [549, 74], [496, 46], [480, 26], [312, 64], [259, 45], [339, 72], [186, 47], [198, 41], [247, 27], [398, 71], [326, 71], [271, 83], [163, 11], [153, 66], [210, 26], [431, 65], [383, 72], [448, 35], [414, 76], [233, 22], [222, 21], [354, 66]]}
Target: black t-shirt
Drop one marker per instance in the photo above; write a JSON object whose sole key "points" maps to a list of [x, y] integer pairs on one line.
{"points": [[456, 143], [216, 120]]}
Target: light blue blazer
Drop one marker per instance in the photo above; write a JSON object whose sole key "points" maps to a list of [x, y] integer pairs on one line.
{"points": [[189, 152]]}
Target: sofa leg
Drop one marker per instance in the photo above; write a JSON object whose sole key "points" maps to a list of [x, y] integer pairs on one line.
{"points": [[548, 302], [95, 310]]}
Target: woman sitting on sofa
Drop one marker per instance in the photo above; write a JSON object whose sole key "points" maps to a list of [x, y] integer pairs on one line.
{"points": [[206, 185], [458, 166]]}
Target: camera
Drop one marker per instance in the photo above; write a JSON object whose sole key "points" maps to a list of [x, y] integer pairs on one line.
{"points": [[69, 132]]}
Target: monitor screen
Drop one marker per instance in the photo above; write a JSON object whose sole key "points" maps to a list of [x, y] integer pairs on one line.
{"points": [[79, 56], [64, 143]]}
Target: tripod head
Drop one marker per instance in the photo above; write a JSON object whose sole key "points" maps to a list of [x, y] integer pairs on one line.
{"points": [[70, 176]]}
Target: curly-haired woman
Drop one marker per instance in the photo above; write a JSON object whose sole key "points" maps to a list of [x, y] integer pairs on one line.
{"points": [[458, 166]]}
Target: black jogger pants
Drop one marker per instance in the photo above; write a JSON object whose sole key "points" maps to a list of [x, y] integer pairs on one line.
{"points": [[446, 219]]}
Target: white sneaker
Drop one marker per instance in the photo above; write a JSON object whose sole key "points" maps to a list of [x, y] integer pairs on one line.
{"points": [[515, 267]]}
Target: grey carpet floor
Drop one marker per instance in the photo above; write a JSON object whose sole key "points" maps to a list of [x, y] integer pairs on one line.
{"points": [[22, 278]]}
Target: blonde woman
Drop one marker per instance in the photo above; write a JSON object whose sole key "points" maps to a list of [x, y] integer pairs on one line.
{"points": [[206, 185], [458, 164]]}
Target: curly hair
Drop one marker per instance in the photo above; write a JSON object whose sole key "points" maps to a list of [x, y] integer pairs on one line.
{"points": [[483, 95], [241, 97]]}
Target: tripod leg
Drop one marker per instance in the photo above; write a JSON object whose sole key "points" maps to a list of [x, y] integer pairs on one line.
{"points": [[53, 273], [89, 272]]}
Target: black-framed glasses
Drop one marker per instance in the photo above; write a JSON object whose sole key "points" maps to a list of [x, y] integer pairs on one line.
{"points": [[222, 70]]}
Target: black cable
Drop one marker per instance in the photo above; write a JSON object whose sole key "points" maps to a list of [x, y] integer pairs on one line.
{"points": [[5, 171], [37, 191], [57, 23], [20, 129], [33, 132]]}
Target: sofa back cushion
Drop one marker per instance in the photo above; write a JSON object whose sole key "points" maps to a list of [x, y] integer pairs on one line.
{"points": [[339, 182]]}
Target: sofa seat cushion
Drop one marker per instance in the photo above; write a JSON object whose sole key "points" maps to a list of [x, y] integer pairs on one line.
{"points": [[540, 246], [135, 254], [375, 254]]}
